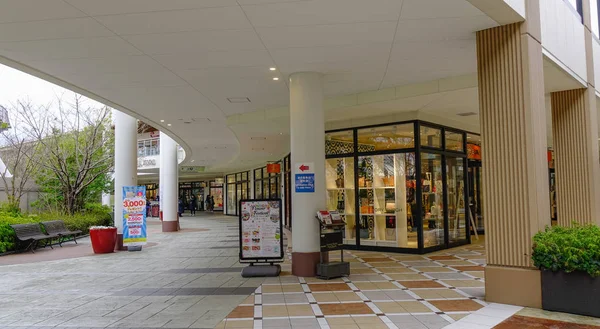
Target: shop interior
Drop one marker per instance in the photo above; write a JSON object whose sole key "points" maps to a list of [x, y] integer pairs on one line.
{"points": [[397, 189]]}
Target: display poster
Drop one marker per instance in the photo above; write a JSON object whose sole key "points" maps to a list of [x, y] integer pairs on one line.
{"points": [[134, 215], [260, 229]]}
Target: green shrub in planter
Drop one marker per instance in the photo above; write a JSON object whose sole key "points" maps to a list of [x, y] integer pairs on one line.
{"points": [[568, 249]]}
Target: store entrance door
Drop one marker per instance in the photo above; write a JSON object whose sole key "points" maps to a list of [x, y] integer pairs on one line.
{"points": [[475, 197]]}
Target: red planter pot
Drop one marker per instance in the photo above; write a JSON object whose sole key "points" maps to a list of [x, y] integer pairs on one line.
{"points": [[103, 240]]}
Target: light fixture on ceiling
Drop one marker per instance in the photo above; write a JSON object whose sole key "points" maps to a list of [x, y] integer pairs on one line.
{"points": [[466, 114], [272, 68], [280, 133], [168, 124], [162, 120], [193, 160], [275, 78], [258, 138], [236, 100]]}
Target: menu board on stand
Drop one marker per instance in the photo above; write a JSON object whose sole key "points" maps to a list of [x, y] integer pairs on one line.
{"points": [[260, 234]]}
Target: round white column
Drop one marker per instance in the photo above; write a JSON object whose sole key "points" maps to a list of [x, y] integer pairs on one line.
{"points": [[125, 164], [307, 141], [168, 183]]}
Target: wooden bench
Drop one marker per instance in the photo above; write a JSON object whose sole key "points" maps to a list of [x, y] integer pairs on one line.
{"points": [[57, 227], [32, 234]]}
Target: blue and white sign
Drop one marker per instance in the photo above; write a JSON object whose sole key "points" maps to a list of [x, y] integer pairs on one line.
{"points": [[134, 215], [305, 177]]}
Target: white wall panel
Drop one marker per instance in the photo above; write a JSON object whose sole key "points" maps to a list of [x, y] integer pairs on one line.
{"points": [[596, 52], [563, 36]]}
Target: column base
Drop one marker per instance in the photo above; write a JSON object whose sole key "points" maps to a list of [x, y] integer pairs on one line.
{"points": [[119, 245], [170, 226], [515, 286], [305, 263]]}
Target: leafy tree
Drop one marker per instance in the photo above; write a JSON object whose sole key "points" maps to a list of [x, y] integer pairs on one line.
{"points": [[18, 155], [76, 146]]}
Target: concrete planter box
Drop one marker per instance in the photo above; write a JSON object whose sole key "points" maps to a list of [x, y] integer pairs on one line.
{"points": [[575, 292]]}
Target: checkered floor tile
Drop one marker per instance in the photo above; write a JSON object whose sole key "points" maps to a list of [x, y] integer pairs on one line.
{"points": [[384, 290]]}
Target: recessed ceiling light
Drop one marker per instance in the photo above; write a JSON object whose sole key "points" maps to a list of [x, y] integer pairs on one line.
{"points": [[275, 78], [280, 133], [162, 120], [272, 68], [168, 124], [193, 160]]}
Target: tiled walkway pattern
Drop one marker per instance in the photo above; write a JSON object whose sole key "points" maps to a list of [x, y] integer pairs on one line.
{"points": [[384, 290]]}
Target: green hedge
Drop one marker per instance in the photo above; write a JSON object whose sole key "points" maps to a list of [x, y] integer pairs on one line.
{"points": [[93, 216], [568, 249]]}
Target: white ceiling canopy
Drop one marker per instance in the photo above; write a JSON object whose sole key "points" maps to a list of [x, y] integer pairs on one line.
{"points": [[178, 60]]}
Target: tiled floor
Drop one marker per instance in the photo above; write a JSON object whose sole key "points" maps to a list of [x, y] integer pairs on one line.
{"points": [[384, 290], [189, 279]]}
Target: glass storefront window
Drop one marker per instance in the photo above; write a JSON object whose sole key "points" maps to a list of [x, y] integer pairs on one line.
{"points": [[341, 142], [257, 173], [431, 137], [433, 200], [455, 191], [339, 180], [386, 138], [454, 141], [258, 190], [387, 200], [231, 200], [237, 189]]}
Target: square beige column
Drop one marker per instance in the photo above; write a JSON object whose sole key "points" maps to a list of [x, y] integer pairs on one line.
{"points": [[575, 143], [515, 175]]}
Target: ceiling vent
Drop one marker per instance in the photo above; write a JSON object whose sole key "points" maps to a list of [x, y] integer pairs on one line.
{"points": [[236, 100], [257, 149], [466, 114], [258, 138]]}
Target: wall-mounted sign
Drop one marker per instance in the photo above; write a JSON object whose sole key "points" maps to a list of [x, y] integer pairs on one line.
{"points": [[147, 162], [154, 134], [273, 168], [260, 230], [192, 169], [304, 177], [473, 152]]}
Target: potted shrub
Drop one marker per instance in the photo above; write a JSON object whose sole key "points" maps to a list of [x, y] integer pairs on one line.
{"points": [[103, 239], [569, 258]]}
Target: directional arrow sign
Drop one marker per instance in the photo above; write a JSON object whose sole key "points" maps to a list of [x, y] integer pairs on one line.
{"points": [[305, 167]]}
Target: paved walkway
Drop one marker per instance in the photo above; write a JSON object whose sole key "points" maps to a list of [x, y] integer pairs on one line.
{"points": [[188, 279], [191, 279], [385, 290]]}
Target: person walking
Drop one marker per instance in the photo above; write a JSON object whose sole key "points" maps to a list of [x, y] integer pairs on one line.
{"points": [[207, 202], [192, 208], [212, 203], [180, 207]]}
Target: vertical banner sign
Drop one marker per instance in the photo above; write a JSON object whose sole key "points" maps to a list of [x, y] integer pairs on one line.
{"points": [[134, 215], [260, 230], [305, 177]]}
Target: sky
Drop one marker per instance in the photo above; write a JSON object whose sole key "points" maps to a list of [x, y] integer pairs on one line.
{"points": [[16, 85]]}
